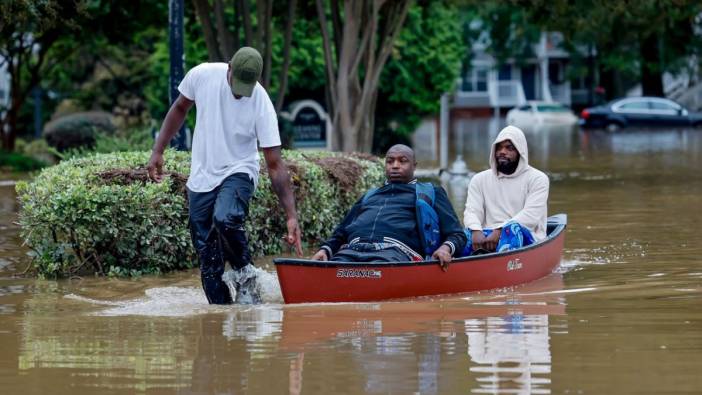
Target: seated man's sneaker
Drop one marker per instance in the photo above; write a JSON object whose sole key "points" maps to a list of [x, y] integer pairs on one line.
{"points": [[247, 290]]}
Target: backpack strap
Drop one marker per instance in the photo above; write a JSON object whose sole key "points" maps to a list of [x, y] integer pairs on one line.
{"points": [[426, 192], [427, 218]]}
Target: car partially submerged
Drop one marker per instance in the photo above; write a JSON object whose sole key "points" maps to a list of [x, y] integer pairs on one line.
{"points": [[541, 113], [640, 112]]}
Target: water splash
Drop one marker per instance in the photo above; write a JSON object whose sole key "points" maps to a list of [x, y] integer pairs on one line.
{"points": [[163, 302], [266, 285], [183, 301], [568, 265]]}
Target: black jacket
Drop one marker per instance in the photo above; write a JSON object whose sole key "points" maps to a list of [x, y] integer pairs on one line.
{"points": [[391, 212]]}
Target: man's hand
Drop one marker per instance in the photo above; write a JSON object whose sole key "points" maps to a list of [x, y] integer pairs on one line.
{"points": [[294, 236], [492, 240], [321, 255], [478, 239], [280, 182], [443, 254], [155, 167]]}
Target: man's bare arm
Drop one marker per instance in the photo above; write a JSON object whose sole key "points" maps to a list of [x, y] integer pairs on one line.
{"points": [[280, 181], [170, 126]]}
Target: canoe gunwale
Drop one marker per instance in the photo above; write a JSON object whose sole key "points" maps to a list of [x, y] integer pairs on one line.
{"points": [[560, 222]]}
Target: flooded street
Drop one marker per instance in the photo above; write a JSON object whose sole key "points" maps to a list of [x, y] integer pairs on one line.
{"points": [[622, 315]]}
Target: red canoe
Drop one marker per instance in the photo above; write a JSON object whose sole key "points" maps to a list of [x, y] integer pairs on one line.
{"points": [[306, 281]]}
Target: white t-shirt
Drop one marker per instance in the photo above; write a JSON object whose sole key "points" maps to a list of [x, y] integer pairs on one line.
{"points": [[226, 129]]}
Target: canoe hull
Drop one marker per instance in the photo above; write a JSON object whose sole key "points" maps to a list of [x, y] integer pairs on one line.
{"points": [[304, 281]]}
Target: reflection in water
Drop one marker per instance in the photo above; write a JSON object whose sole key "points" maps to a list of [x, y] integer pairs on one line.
{"points": [[139, 354], [390, 347], [512, 352], [402, 347]]}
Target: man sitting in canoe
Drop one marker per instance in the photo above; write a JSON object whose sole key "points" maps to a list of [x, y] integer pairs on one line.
{"points": [[402, 220], [506, 204]]}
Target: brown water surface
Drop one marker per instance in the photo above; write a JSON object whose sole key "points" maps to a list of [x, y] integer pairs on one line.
{"points": [[623, 314]]}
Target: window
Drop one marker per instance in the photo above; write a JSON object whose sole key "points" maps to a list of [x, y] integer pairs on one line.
{"points": [[658, 105], [476, 80], [634, 105], [551, 108]]}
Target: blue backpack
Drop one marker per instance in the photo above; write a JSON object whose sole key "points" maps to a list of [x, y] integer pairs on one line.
{"points": [[427, 219]]}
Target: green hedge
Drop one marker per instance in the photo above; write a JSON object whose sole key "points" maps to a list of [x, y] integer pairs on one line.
{"points": [[98, 214]]}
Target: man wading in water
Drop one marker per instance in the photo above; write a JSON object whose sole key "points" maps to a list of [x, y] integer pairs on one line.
{"points": [[233, 113]]}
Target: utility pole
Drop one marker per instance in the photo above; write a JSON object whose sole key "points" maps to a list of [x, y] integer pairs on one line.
{"points": [[175, 41]]}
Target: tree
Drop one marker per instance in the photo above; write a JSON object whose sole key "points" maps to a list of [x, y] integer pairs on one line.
{"points": [[355, 55], [646, 37], [223, 38], [28, 31], [425, 64]]}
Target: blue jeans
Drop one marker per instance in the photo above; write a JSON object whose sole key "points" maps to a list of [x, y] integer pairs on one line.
{"points": [[217, 229], [512, 236]]}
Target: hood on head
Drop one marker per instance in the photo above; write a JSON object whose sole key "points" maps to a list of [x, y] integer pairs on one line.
{"points": [[517, 137]]}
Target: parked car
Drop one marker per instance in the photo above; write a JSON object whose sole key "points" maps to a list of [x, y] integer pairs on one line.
{"points": [[639, 111], [540, 113]]}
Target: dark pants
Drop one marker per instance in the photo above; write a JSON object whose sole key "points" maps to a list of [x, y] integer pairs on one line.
{"points": [[365, 252], [217, 228]]}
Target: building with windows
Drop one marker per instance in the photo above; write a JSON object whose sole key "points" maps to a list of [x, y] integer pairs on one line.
{"points": [[490, 86]]}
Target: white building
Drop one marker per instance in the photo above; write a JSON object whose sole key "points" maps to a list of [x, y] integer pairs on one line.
{"points": [[487, 85]]}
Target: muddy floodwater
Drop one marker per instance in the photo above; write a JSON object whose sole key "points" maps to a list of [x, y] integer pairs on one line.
{"points": [[621, 315]]}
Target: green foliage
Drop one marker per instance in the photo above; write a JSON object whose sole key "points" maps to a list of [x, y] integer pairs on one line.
{"points": [[139, 139], [306, 70], [425, 63], [76, 221], [510, 31], [78, 129], [621, 33], [15, 161], [155, 86], [38, 149]]}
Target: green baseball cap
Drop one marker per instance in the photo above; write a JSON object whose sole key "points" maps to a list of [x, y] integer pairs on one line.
{"points": [[246, 66]]}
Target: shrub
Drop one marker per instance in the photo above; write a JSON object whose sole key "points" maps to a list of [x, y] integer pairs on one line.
{"points": [[99, 214], [137, 139], [77, 130], [15, 161], [38, 149]]}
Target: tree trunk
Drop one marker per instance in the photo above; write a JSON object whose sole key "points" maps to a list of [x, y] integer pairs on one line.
{"points": [[362, 42], [651, 77], [287, 40], [9, 135], [237, 25], [248, 31], [260, 22], [202, 9], [265, 26], [225, 37]]}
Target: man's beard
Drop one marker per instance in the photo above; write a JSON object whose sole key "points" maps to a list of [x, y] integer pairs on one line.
{"points": [[507, 168]]}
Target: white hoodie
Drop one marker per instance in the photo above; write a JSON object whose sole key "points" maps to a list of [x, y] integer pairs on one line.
{"points": [[495, 198]]}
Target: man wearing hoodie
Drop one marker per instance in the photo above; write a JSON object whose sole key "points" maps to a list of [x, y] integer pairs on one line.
{"points": [[507, 204]]}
